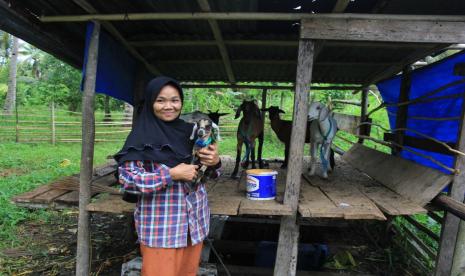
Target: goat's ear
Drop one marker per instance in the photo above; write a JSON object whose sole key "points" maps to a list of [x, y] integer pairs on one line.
{"points": [[216, 132], [238, 112], [281, 111], [194, 130], [222, 114], [324, 112], [265, 109]]}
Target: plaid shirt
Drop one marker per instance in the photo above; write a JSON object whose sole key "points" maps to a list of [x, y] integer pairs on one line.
{"points": [[165, 210]]}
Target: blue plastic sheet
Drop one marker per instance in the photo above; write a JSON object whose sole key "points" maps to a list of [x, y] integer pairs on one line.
{"points": [[425, 82], [116, 68]]}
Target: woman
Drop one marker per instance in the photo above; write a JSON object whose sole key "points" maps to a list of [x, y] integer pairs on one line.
{"points": [[171, 218]]}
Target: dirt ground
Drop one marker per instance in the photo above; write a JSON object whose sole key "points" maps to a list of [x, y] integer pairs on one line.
{"points": [[50, 247]]}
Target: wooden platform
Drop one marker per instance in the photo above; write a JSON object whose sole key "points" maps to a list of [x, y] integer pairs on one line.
{"points": [[348, 194]]}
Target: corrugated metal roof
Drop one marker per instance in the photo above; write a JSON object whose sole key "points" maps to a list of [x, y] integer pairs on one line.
{"points": [[336, 63]]}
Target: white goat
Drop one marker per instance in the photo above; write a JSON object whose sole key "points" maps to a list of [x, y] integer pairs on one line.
{"points": [[323, 128]]}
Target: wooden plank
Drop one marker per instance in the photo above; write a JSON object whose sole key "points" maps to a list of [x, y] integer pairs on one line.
{"points": [[286, 255], [71, 198], [388, 201], [353, 203], [25, 197], [49, 196], [347, 123], [413, 181], [111, 204], [264, 207], [225, 204], [315, 204], [389, 30]]}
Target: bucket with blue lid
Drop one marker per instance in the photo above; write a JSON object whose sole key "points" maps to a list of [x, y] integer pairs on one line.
{"points": [[261, 184]]}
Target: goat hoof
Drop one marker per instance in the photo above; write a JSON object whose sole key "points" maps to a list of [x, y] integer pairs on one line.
{"points": [[311, 172], [244, 165], [234, 176]]}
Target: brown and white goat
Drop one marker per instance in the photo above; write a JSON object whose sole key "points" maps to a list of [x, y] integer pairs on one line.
{"points": [[283, 129], [250, 128]]}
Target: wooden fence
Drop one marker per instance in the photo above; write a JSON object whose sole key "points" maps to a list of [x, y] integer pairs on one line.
{"points": [[55, 125]]}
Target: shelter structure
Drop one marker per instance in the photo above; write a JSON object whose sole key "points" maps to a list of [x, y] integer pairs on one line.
{"points": [[356, 43]]}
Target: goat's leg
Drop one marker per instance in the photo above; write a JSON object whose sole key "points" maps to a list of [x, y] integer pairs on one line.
{"points": [[252, 152], [260, 150], [313, 150], [245, 164], [238, 158], [286, 156], [327, 149]]}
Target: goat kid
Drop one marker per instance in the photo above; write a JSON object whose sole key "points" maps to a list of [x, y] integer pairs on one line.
{"points": [[250, 128], [205, 132], [323, 128]]}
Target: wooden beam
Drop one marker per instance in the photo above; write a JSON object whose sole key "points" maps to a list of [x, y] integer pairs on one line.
{"points": [[253, 16], [389, 30], [402, 111], [450, 227], [87, 155], [450, 205], [205, 7], [286, 256], [363, 130], [118, 36], [277, 62], [274, 87], [282, 43]]}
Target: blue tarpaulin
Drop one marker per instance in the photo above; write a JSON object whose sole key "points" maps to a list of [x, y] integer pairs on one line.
{"points": [[116, 68], [433, 81]]}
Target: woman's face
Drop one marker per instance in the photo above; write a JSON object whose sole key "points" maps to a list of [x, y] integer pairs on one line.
{"points": [[167, 105]]}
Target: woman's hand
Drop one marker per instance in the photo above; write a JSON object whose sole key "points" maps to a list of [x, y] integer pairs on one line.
{"points": [[184, 172], [209, 155]]}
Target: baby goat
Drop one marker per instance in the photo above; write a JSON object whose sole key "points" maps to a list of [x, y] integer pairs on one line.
{"points": [[205, 133]]}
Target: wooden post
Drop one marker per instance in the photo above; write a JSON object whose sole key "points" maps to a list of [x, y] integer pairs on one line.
{"points": [[52, 114], [401, 116], [17, 122], [286, 256], [83, 256], [264, 92], [458, 263], [363, 114], [450, 226]]}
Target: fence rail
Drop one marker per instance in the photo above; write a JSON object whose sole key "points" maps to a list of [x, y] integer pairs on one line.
{"points": [[55, 125]]}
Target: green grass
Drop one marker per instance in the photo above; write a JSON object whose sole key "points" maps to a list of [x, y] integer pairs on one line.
{"points": [[26, 166]]}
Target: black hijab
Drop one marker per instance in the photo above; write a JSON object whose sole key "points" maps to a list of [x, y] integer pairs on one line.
{"points": [[156, 140]]}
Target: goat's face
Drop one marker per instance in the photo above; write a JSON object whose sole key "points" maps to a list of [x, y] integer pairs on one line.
{"points": [[317, 111], [205, 128], [274, 112], [249, 109], [215, 116]]}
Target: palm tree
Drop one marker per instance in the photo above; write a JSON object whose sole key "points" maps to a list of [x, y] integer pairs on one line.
{"points": [[33, 56], [10, 100]]}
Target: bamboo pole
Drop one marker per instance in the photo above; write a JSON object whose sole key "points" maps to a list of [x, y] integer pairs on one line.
{"points": [[83, 256], [52, 111]]}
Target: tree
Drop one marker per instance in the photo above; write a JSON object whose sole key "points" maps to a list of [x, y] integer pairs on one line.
{"points": [[10, 100], [33, 56]]}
